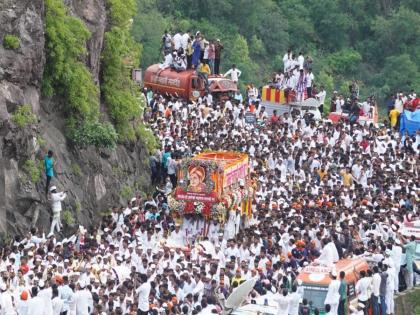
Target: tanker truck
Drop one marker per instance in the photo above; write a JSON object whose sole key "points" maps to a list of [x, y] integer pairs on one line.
{"points": [[186, 84]]}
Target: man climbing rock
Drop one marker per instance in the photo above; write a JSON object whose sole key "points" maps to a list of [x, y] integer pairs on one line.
{"points": [[49, 169], [56, 198]]}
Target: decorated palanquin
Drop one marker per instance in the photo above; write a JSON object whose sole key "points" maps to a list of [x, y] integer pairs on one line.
{"points": [[213, 183]]}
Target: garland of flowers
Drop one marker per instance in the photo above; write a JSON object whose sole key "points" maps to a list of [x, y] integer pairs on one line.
{"points": [[176, 205], [198, 207], [218, 212], [210, 168]]}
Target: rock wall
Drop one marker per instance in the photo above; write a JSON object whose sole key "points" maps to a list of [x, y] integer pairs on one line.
{"points": [[408, 303], [93, 178]]}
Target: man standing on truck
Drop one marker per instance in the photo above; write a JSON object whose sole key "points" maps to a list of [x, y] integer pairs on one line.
{"points": [[234, 73], [217, 52], [203, 72]]}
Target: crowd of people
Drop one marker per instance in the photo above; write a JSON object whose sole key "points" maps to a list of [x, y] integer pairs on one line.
{"points": [[323, 192], [185, 51]]}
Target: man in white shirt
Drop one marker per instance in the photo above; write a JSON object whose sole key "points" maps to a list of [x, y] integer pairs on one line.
{"points": [[143, 291], [83, 300], [282, 300], [184, 40], [362, 288], [6, 302], [234, 73], [294, 301], [309, 79], [57, 302], [177, 40], [177, 237], [286, 60], [56, 199], [333, 293], [46, 295], [301, 60], [36, 304], [376, 283]]}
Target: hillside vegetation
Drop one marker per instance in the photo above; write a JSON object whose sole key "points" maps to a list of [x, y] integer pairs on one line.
{"points": [[374, 42]]}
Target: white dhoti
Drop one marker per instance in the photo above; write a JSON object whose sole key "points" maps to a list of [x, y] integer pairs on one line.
{"points": [[56, 222]]}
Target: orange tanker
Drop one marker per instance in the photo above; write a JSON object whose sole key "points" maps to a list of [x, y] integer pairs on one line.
{"points": [[185, 84]]}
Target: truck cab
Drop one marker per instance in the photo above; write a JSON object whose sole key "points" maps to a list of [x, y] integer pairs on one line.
{"points": [[316, 278]]}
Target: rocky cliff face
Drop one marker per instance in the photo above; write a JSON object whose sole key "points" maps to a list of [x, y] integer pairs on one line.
{"points": [[93, 178]]}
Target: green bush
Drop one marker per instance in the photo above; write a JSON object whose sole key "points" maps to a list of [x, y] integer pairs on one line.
{"points": [[68, 217], [23, 116], [67, 75], [121, 53], [76, 170], [148, 138], [78, 207], [121, 11], [33, 170], [126, 192], [102, 135], [64, 73], [41, 142], [11, 42]]}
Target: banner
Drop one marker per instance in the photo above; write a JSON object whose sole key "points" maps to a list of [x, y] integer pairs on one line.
{"points": [[181, 194]]}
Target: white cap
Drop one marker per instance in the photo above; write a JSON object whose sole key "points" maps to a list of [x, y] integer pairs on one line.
{"points": [[53, 188]]}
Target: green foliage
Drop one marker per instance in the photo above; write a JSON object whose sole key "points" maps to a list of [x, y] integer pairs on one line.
{"points": [[345, 62], [121, 11], [78, 207], [23, 116], [41, 142], [67, 75], [11, 42], [126, 192], [33, 169], [358, 39], [148, 138], [399, 73], [76, 170], [95, 133], [68, 217], [121, 54]]}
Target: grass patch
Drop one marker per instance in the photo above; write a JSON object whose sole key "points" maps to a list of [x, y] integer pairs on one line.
{"points": [[23, 116], [41, 142], [11, 42], [68, 217], [76, 170], [78, 207], [33, 169], [126, 192], [147, 137]]}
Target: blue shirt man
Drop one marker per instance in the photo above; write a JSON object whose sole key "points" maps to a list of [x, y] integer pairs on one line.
{"points": [[49, 169]]}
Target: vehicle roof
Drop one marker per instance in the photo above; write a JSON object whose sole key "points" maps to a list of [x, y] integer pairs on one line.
{"points": [[169, 72], [319, 275], [251, 309]]}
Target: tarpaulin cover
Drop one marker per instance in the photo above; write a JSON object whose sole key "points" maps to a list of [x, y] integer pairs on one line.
{"points": [[410, 121]]}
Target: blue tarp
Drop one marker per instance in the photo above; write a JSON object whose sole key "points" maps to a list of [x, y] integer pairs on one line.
{"points": [[410, 121]]}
